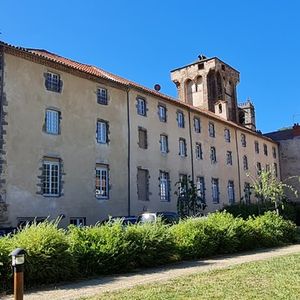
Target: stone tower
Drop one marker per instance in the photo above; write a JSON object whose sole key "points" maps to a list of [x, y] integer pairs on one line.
{"points": [[247, 115], [210, 84]]}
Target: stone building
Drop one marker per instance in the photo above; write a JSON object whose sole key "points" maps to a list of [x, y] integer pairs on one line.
{"points": [[84, 143], [289, 153]]}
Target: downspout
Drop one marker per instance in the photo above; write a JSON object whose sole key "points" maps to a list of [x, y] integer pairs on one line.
{"points": [[191, 146], [128, 154], [238, 164]]}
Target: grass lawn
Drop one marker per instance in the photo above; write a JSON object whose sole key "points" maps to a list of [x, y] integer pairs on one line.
{"points": [[277, 278]]}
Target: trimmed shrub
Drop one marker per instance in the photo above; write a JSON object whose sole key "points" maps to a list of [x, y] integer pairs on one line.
{"points": [[194, 238], [272, 230], [150, 244], [100, 249], [48, 259], [5, 264]]}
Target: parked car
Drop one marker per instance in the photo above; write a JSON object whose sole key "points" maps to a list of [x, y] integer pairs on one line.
{"points": [[125, 220], [166, 217]]}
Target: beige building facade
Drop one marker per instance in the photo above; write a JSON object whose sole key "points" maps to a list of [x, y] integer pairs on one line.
{"points": [[79, 142]]}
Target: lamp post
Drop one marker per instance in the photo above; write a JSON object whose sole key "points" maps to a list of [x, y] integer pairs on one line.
{"points": [[18, 259]]}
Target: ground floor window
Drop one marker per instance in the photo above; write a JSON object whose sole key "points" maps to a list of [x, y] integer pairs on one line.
{"points": [[215, 190], [78, 221], [102, 182], [51, 177], [164, 186]]}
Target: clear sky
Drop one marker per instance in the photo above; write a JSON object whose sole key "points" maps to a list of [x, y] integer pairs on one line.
{"points": [[144, 40]]}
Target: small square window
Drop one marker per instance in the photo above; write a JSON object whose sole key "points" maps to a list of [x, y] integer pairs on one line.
{"points": [[52, 121], [53, 82], [211, 129], [141, 106], [102, 97]]}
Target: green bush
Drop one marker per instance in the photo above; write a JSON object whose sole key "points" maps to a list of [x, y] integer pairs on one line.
{"points": [[55, 255], [193, 238], [99, 249], [150, 244], [48, 259], [272, 230]]}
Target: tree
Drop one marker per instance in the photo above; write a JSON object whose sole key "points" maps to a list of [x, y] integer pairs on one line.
{"points": [[189, 201], [267, 187]]}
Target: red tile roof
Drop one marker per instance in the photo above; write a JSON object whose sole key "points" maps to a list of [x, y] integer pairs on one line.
{"points": [[98, 72]]}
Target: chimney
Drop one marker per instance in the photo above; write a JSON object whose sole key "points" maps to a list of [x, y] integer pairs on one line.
{"points": [[296, 129]]}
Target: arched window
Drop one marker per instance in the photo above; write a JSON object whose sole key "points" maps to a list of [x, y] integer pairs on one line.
{"points": [[189, 89]]}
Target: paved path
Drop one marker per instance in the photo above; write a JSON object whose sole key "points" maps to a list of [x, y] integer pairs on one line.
{"points": [[111, 283]]}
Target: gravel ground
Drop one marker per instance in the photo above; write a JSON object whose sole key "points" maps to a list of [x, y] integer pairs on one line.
{"points": [[93, 287]]}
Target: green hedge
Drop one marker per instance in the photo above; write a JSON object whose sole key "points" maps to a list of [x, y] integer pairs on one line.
{"points": [[55, 255]]}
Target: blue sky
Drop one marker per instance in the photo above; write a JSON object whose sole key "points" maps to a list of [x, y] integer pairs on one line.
{"points": [[144, 40]]}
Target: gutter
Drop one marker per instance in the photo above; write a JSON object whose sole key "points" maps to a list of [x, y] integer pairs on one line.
{"points": [[128, 154]]}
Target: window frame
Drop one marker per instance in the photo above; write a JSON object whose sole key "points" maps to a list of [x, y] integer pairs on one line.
{"points": [[162, 113], [164, 186], [256, 147], [164, 144], [245, 163], [230, 185], [77, 219], [180, 119], [197, 125], [198, 151], [49, 121], [100, 168], [147, 184], [227, 135], [229, 160], [100, 99], [182, 147], [51, 84], [243, 140], [200, 186], [51, 163], [100, 134], [215, 192], [211, 129], [213, 155], [141, 106]]}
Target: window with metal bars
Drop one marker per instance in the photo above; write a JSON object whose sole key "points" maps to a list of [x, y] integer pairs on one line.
{"points": [[164, 186]]}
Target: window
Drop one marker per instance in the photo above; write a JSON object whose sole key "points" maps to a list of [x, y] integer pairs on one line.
{"points": [[211, 129], [101, 182], [267, 167], [51, 177], [183, 180], [142, 135], [162, 113], [256, 146], [227, 135], [274, 152], [245, 162], [53, 82], [78, 221], [141, 106], [243, 140], [215, 190], [164, 186], [265, 150], [258, 167], [230, 190], [102, 97], [200, 184], [275, 169], [247, 192], [143, 184], [213, 155], [198, 149], [164, 147], [101, 132], [52, 121], [229, 158], [182, 147], [180, 119], [197, 125]]}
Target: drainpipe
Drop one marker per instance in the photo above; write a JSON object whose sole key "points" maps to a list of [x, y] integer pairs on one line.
{"points": [[191, 146], [238, 164], [128, 153]]}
